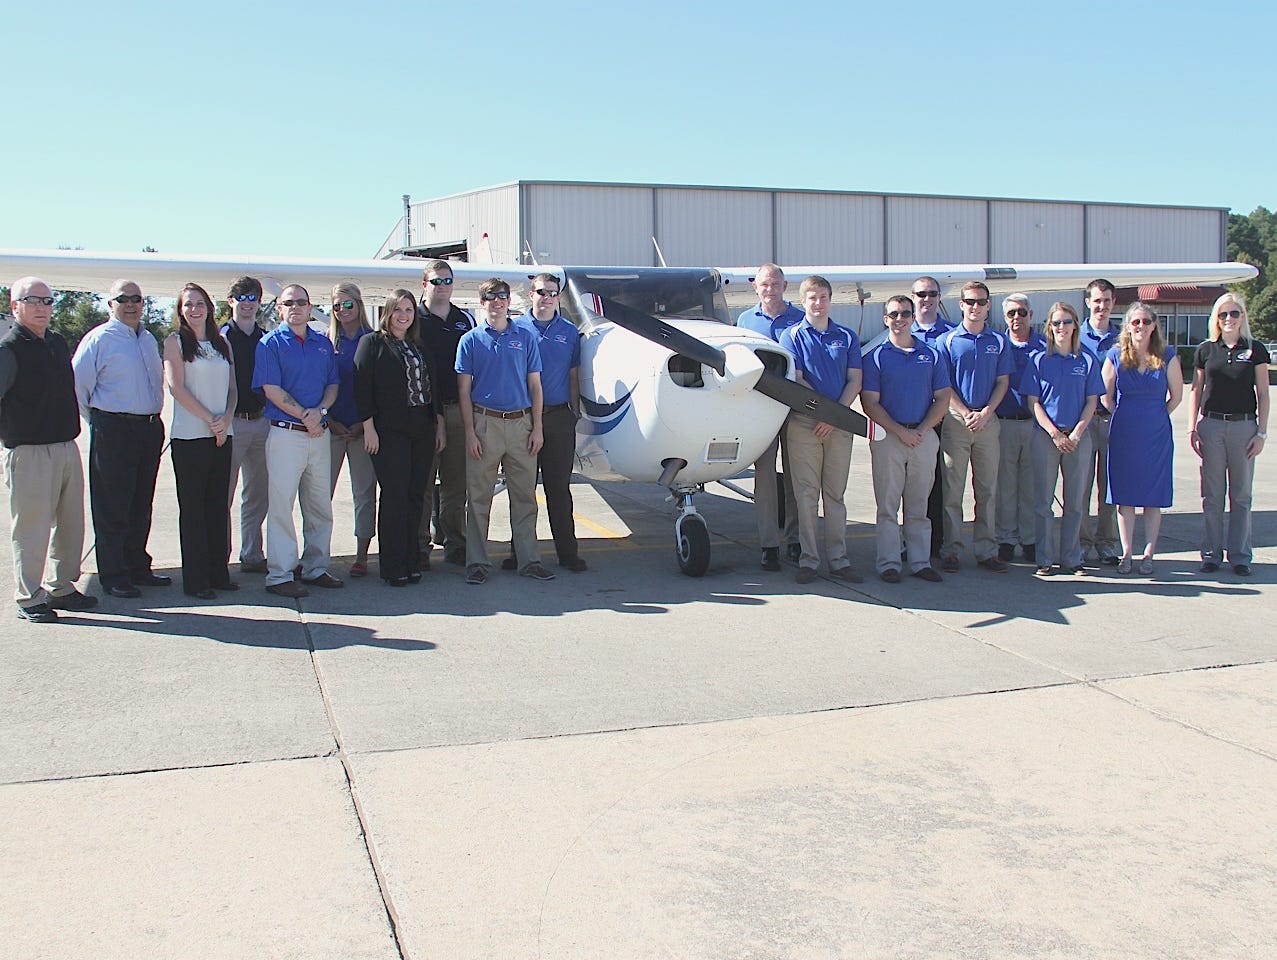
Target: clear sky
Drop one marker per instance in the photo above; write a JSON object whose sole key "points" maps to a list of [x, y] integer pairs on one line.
{"points": [[292, 129]]}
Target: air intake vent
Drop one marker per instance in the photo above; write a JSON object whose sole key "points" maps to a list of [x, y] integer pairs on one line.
{"points": [[722, 451]]}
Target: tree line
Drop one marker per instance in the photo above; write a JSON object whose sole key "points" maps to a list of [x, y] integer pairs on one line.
{"points": [[1253, 239]]}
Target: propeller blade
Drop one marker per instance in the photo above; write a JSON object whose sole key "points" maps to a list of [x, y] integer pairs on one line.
{"points": [[809, 403], [672, 338]]}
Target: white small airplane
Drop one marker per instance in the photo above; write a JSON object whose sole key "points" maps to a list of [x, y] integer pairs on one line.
{"points": [[672, 391]]}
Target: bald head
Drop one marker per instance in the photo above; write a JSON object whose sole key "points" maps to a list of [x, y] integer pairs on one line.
{"points": [[126, 302]]}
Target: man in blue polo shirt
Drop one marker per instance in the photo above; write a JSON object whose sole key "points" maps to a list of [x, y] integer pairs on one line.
{"points": [[559, 343], [906, 392], [929, 326], [1013, 522], [979, 364], [827, 359], [499, 389], [1099, 533], [771, 317], [296, 370]]}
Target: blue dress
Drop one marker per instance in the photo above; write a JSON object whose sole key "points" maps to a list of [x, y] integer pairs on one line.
{"points": [[1141, 444]]}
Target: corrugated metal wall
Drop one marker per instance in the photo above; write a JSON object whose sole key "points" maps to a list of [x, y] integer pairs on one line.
{"points": [[468, 216], [1117, 234], [589, 225], [937, 230], [1023, 232], [696, 226], [822, 228]]}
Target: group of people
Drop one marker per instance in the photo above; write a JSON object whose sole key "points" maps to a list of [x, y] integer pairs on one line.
{"points": [[429, 394], [1079, 405]]}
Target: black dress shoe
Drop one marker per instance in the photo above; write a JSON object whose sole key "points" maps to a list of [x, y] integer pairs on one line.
{"points": [[1006, 551], [74, 601], [1208, 566], [398, 581], [577, 565], [151, 580], [124, 591], [771, 558], [414, 577], [1241, 569]]}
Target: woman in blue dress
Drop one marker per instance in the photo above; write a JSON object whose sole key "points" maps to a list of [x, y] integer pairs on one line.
{"points": [[1143, 384]]}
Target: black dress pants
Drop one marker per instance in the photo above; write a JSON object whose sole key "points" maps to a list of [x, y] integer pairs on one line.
{"points": [[557, 457], [124, 459], [203, 472], [402, 462]]}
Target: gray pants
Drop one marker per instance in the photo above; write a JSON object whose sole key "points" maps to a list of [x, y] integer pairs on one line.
{"points": [[1099, 534], [902, 479], [299, 470], [1226, 470], [979, 452], [1014, 514], [1048, 464], [767, 495], [248, 455], [46, 501], [363, 482]]}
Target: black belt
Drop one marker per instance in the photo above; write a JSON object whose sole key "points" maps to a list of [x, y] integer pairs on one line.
{"points": [[912, 426], [502, 414], [249, 416], [289, 425], [140, 417], [1228, 417], [557, 406], [1103, 413], [1016, 416], [449, 403]]}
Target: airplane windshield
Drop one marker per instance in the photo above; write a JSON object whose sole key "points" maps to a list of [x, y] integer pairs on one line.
{"points": [[660, 292]]}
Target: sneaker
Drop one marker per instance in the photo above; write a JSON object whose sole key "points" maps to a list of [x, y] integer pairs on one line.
{"points": [[577, 565], [1079, 570], [949, 563], [847, 574], [74, 600], [1045, 570], [536, 572], [289, 588], [992, 564], [252, 566], [37, 613], [1208, 566], [1006, 551], [1110, 560], [929, 574], [1030, 551], [771, 559], [890, 575], [477, 574], [806, 574]]}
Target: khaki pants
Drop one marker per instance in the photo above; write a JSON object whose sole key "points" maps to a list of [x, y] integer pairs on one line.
{"points": [[452, 470], [299, 467], [902, 477], [820, 470], [505, 445], [1099, 534], [979, 451], [46, 514], [1013, 520]]}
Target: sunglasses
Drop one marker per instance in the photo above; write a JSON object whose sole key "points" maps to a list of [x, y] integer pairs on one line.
{"points": [[1017, 312], [1225, 314], [542, 292], [496, 296], [1141, 322], [1060, 323], [440, 281], [294, 303], [32, 301], [344, 305], [980, 302], [924, 294], [898, 314], [246, 298], [128, 298]]}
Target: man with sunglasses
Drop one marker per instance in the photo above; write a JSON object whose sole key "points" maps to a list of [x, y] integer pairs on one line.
{"points": [[442, 326], [929, 327], [979, 364], [559, 343], [1099, 335], [39, 421], [119, 383], [248, 451], [1014, 516], [771, 317], [296, 370], [499, 387]]}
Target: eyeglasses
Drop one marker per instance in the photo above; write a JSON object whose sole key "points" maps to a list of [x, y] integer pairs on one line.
{"points": [[924, 294], [897, 314], [246, 298], [981, 302], [1017, 312], [1141, 322], [33, 301], [344, 305], [1225, 314], [496, 296], [440, 281], [541, 292], [1061, 323], [294, 303], [128, 298]]}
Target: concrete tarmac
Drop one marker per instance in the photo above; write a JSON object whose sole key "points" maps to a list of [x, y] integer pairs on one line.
{"points": [[628, 763]]}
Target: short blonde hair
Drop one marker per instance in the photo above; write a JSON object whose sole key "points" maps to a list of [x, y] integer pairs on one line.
{"points": [[1216, 329]]}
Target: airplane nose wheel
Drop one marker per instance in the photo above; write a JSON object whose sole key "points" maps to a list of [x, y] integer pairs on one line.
{"points": [[691, 538]]}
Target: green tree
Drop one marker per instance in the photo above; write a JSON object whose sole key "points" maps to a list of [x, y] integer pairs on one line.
{"points": [[1253, 239]]}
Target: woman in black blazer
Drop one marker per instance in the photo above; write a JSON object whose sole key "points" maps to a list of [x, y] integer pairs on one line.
{"points": [[403, 428]]}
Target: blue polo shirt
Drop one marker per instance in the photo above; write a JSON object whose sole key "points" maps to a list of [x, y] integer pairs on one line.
{"points": [[938, 330], [500, 364], [905, 380], [343, 409], [1098, 345], [301, 368], [559, 343], [1012, 404], [975, 361], [758, 321], [823, 358], [1062, 382]]}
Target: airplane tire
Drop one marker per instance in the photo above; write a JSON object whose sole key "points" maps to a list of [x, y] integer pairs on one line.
{"points": [[692, 546]]}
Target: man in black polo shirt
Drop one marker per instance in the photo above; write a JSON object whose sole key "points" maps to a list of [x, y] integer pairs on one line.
{"points": [[39, 421], [442, 326], [248, 451]]}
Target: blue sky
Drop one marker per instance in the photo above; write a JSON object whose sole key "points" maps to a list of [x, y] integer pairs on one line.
{"points": [[292, 129]]}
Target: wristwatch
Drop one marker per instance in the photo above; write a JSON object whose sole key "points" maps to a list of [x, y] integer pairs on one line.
{"points": [[1262, 436], [323, 411]]}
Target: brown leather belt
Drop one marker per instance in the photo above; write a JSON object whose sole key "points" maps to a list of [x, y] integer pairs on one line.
{"points": [[502, 414]]}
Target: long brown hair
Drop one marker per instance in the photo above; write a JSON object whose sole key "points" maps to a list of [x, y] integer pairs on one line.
{"points": [[1156, 345], [413, 333], [186, 336]]}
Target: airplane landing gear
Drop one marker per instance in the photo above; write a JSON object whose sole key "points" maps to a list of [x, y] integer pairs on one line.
{"points": [[691, 536]]}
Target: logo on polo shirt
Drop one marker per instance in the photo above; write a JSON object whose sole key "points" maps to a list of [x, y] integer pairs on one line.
{"points": [[560, 338], [514, 343], [924, 357], [992, 348], [1079, 371]]}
